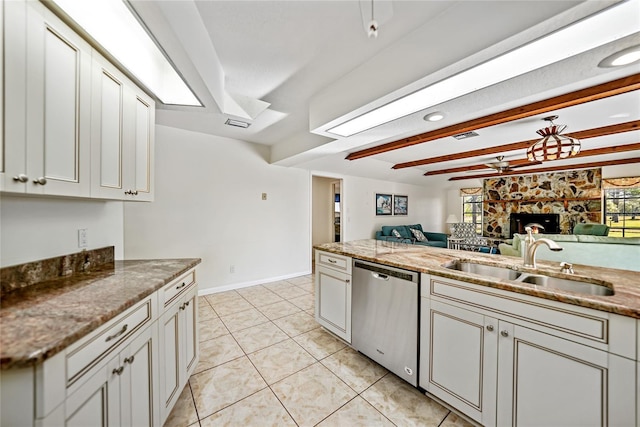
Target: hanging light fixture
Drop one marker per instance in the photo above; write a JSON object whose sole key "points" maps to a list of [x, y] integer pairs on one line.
{"points": [[553, 145]]}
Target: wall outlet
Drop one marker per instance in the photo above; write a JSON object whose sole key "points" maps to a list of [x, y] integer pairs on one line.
{"points": [[264, 196], [82, 238], [232, 269]]}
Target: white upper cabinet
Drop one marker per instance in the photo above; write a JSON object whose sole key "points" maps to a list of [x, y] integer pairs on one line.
{"points": [[122, 124], [77, 126], [58, 106]]}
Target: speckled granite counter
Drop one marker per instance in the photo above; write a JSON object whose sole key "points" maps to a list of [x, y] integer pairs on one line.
{"points": [[40, 320], [625, 283]]}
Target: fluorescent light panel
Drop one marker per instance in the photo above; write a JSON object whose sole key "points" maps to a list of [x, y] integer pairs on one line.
{"points": [[605, 27], [111, 23]]}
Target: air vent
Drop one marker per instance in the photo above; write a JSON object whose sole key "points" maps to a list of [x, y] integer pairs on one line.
{"points": [[465, 135], [237, 123]]}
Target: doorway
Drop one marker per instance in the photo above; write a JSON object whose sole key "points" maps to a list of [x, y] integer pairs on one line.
{"points": [[327, 200]]}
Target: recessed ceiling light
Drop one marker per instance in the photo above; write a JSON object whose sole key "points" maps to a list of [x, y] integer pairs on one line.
{"points": [[624, 57], [604, 27], [434, 117], [237, 123]]}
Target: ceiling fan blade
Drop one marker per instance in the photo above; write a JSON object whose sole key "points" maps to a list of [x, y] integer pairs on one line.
{"points": [[525, 165]]}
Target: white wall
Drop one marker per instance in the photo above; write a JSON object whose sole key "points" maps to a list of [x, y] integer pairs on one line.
{"points": [[426, 207], [34, 228], [208, 205]]}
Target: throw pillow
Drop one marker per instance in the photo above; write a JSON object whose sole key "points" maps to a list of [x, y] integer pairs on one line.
{"points": [[396, 233], [419, 235]]}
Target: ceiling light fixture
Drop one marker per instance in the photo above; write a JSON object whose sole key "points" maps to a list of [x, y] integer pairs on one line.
{"points": [[624, 57], [553, 145], [116, 29], [237, 123], [607, 26], [373, 25], [434, 117]]}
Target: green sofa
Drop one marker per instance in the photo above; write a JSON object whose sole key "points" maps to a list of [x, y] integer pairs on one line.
{"points": [[600, 251], [438, 240]]}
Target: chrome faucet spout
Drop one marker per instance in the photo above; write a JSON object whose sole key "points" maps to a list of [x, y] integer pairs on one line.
{"points": [[530, 255]]}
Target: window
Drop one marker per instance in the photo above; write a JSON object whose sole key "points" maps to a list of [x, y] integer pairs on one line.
{"points": [[472, 207], [622, 211]]}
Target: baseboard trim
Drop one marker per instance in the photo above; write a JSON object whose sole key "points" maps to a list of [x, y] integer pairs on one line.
{"points": [[234, 286]]}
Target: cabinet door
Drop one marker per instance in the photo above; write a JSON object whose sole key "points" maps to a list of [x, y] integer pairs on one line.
{"points": [[169, 340], [141, 164], [544, 380], [333, 301], [107, 130], [139, 381], [58, 106], [458, 358], [14, 155], [189, 330], [97, 402]]}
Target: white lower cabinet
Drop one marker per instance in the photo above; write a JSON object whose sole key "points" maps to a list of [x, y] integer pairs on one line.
{"points": [[179, 348], [333, 293], [123, 392], [128, 372], [459, 359], [500, 370]]}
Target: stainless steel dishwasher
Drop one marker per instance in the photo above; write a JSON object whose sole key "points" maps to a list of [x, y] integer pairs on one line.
{"points": [[384, 317]]}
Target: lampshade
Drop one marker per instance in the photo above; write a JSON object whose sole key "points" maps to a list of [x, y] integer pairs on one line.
{"points": [[451, 219], [553, 145]]}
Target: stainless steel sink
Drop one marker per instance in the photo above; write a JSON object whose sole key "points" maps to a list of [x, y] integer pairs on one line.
{"points": [[484, 270], [566, 284], [550, 282]]}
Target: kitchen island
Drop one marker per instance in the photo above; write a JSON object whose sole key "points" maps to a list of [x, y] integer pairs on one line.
{"points": [[498, 350], [85, 339]]}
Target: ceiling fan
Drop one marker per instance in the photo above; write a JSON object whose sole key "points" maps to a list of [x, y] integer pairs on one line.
{"points": [[502, 165]]}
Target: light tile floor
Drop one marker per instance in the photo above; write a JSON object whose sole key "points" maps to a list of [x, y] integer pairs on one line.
{"points": [[264, 361]]}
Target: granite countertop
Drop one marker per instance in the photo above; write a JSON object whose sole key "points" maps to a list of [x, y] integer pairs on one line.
{"points": [[625, 283], [40, 320]]}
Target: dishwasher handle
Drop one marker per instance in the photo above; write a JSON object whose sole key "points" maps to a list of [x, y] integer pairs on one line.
{"points": [[380, 276]]}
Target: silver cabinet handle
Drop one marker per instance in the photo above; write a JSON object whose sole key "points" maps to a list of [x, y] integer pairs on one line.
{"points": [[129, 359], [42, 180], [504, 333], [21, 178], [117, 334], [490, 328], [118, 371], [131, 192]]}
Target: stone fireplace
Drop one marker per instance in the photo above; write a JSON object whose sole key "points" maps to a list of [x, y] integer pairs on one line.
{"points": [[575, 196]]}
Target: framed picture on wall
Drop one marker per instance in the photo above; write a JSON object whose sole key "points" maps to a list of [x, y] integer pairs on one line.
{"points": [[400, 205], [383, 204]]}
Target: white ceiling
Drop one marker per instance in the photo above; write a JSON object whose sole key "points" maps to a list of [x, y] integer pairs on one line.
{"points": [[312, 61]]}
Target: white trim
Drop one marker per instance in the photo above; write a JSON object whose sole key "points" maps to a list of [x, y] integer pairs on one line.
{"points": [[233, 286]]}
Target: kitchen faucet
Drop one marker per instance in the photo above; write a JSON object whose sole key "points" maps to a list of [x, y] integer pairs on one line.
{"points": [[532, 248]]}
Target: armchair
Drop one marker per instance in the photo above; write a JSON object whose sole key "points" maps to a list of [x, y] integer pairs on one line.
{"points": [[467, 237]]}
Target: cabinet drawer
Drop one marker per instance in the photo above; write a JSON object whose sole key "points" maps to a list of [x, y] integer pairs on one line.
{"points": [[175, 289], [333, 261], [94, 348]]}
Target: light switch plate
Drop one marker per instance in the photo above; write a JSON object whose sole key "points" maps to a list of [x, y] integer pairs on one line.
{"points": [[82, 238]]}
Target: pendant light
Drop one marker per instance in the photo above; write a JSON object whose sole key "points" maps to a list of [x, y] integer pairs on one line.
{"points": [[553, 145]]}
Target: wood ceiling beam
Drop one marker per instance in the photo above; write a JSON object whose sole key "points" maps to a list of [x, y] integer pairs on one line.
{"points": [[551, 169], [615, 87], [520, 162], [523, 145]]}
